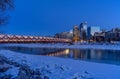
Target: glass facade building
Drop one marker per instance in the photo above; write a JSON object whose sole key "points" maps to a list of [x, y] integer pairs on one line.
{"points": [[91, 31]]}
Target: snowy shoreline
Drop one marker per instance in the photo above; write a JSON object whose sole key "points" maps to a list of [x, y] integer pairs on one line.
{"points": [[60, 68], [88, 46]]}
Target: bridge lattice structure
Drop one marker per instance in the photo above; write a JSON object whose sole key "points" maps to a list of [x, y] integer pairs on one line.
{"points": [[30, 39]]}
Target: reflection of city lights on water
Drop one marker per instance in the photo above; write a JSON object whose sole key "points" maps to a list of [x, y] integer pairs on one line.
{"points": [[67, 51], [59, 53]]}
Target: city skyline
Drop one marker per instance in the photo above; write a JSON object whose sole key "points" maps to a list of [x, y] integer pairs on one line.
{"points": [[50, 17]]}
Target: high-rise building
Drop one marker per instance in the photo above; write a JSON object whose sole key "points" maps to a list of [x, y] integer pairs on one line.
{"points": [[91, 31], [83, 26], [83, 31], [76, 34]]}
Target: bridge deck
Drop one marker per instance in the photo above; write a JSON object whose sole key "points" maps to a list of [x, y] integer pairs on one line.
{"points": [[31, 39]]}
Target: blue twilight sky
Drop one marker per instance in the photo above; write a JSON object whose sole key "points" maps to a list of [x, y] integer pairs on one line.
{"points": [[47, 17]]}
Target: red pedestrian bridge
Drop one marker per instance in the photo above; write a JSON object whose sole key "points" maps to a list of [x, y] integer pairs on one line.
{"points": [[31, 39]]}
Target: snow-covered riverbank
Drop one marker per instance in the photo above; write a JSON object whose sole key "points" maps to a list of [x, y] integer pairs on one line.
{"points": [[88, 46], [57, 68]]}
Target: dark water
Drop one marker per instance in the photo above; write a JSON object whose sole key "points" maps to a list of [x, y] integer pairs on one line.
{"points": [[99, 56]]}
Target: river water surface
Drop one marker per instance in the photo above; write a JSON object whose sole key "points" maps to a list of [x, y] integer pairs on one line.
{"points": [[91, 55]]}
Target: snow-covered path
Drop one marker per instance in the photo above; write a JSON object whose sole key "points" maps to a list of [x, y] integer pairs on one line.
{"points": [[60, 68]]}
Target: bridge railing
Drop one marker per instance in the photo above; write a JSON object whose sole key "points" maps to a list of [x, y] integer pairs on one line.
{"points": [[30, 39]]}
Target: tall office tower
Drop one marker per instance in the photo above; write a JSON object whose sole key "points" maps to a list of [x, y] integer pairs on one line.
{"points": [[83, 31], [76, 34], [91, 31]]}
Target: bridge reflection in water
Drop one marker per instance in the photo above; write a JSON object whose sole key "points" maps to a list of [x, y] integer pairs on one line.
{"points": [[100, 56], [58, 53]]}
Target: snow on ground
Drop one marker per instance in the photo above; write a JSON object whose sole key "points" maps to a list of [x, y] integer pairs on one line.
{"points": [[81, 46], [60, 68]]}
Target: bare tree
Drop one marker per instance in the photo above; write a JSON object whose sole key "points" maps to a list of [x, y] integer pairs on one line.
{"points": [[5, 5]]}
